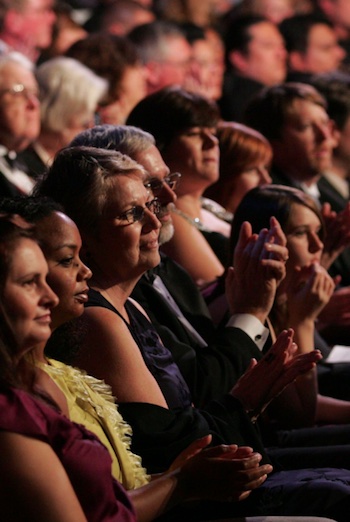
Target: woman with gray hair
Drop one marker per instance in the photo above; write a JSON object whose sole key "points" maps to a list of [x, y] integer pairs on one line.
{"points": [[70, 93]]}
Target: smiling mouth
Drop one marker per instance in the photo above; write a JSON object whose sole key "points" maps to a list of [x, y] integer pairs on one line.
{"points": [[82, 297], [44, 319]]}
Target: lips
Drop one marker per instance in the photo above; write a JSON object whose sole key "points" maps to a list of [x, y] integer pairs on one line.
{"points": [[44, 319], [82, 297], [151, 243]]}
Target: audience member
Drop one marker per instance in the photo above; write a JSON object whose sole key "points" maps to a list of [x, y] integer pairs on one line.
{"points": [[255, 57], [19, 121], [293, 118], [312, 47], [202, 14], [165, 53], [119, 17], [335, 88], [303, 293], [185, 135], [26, 26], [70, 94], [119, 327], [206, 73], [273, 10], [115, 59], [65, 32], [338, 13], [245, 160]]}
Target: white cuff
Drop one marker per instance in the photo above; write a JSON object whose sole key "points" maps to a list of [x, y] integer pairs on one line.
{"points": [[251, 326]]}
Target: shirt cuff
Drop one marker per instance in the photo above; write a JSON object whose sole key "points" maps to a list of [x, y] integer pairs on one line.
{"points": [[251, 326]]}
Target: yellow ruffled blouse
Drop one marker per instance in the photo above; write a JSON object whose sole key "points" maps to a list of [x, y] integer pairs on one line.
{"points": [[91, 403]]}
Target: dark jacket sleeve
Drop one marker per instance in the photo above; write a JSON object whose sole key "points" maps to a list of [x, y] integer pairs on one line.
{"points": [[159, 435]]}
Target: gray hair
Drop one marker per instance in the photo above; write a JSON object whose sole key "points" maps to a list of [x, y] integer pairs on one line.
{"points": [[151, 40], [16, 58], [68, 88], [124, 138], [81, 178]]}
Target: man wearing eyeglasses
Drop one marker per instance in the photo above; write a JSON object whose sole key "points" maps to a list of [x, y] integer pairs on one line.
{"points": [[19, 121]]}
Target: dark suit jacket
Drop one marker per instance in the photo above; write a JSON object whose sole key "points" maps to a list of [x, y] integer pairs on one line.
{"points": [[236, 94], [32, 162], [210, 371]]}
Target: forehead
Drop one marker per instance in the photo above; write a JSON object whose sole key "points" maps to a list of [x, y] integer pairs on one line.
{"points": [[302, 215], [26, 256], [125, 191], [176, 48], [57, 229], [320, 32], [13, 72], [304, 109], [32, 7], [265, 33], [153, 162]]}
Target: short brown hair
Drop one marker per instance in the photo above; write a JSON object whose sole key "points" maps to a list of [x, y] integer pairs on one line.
{"points": [[269, 110]]}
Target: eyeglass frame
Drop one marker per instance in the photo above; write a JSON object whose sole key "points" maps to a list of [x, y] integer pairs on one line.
{"points": [[155, 203], [19, 89], [156, 185]]}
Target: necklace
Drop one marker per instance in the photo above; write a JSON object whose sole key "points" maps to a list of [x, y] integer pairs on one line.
{"points": [[196, 222]]}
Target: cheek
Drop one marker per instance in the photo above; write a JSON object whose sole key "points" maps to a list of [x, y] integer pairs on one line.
{"points": [[298, 254], [248, 182]]}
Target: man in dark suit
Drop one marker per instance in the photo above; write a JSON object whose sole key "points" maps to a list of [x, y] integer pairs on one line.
{"points": [[255, 57], [19, 121]]}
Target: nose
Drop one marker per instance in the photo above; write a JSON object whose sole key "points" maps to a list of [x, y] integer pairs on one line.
{"points": [[166, 195], [151, 222], [48, 298], [281, 52], [33, 100], [84, 273], [340, 53], [322, 132], [315, 243], [209, 140], [265, 177]]}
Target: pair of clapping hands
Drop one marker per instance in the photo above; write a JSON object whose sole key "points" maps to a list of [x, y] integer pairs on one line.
{"points": [[259, 267]]}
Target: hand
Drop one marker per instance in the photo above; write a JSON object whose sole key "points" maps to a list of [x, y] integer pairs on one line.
{"points": [[337, 311], [266, 379], [223, 473], [309, 290], [259, 267], [193, 449], [337, 233]]}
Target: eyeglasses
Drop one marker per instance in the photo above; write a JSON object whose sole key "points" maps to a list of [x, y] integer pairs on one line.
{"points": [[137, 213], [20, 90], [156, 185]]}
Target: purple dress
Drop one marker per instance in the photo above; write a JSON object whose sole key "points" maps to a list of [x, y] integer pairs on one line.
{"points": [[85, 459]]}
